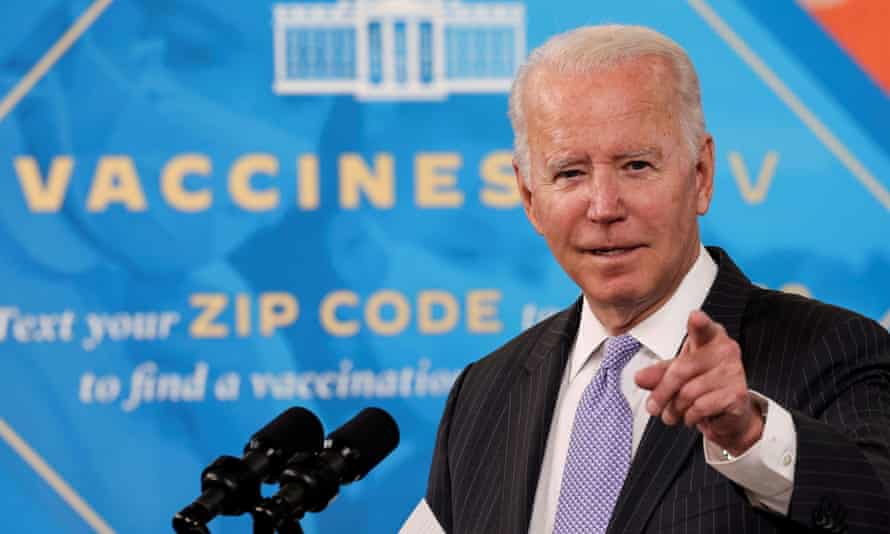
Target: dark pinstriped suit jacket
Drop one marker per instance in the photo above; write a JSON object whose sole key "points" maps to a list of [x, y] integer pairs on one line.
{"points": [[828, 366]]}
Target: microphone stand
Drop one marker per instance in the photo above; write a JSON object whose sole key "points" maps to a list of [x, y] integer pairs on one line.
{"points": [[293, 528], [262, 527]]}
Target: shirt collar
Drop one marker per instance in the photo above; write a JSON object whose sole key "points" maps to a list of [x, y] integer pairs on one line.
{"points": [[663, 331]]}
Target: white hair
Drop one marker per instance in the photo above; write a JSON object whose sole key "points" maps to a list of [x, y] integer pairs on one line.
{"points": [[592, 49]]}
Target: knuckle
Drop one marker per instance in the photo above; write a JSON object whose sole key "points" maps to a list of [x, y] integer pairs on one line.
{"points": [[659, 399], [726, 351], [701, 407], [658, 395], [687, 394], [678, 372], [735, 348], [680, 408], [730, 373], [740, 378]]}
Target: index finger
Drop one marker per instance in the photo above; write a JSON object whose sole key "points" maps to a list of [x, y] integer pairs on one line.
{"points": [[701, 329]]}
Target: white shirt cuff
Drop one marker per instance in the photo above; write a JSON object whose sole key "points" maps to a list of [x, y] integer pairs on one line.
{"points": [[766, 470]]}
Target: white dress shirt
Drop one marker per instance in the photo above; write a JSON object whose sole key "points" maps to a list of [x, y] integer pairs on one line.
{"points": [[766, 470]]}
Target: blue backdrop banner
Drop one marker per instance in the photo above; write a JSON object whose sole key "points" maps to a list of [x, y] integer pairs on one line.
{"points": [[213, 210]]}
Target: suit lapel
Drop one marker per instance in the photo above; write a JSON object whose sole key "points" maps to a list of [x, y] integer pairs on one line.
{"points": [[664, 450], [531, 402]]}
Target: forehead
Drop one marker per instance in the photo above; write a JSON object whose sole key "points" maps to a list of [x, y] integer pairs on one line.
{"points": [[637, 92]]}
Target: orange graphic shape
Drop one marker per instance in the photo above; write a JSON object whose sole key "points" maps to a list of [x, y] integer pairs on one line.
{"points": [[862, 28]]}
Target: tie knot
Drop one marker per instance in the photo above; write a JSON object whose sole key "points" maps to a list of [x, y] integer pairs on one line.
{"points": [[619, 350]]}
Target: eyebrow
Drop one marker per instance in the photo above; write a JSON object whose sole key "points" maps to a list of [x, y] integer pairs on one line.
{"points": [[649, 151], [560, 162]]}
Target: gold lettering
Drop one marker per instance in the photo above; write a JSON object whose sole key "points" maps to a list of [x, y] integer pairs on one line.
{"points": [[754, 193], [241, 175], [482, 311], [116, 181], [434, 180], [242, 314], [426, 300], [500, 189], [308, 196], [40, 197], [203, 326], [173, 175], [387, 298], [276, 310], [378, 185], [328, 313], [796, 288]]}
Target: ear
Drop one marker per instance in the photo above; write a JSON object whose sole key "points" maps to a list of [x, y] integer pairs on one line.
{"points": [[704, 175], [525, 193]]}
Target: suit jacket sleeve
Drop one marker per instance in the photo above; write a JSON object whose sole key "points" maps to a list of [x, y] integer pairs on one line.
{"points": [[438, 494], [842, 474]]}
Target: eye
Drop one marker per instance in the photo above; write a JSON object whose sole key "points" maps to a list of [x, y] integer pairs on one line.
{"points": [[568, 174], [638, 165]]}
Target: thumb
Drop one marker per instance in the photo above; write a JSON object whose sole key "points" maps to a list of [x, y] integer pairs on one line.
{"points": [[649, 377]]}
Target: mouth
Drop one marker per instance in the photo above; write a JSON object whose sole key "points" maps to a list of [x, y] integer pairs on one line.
{"points": [[609, 252]]}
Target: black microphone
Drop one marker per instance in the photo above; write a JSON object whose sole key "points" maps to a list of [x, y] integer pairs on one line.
{"points": [[231, 486], [310, 482]]}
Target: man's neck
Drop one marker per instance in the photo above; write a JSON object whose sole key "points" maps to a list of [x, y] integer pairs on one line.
{"points": [[619, 320]]}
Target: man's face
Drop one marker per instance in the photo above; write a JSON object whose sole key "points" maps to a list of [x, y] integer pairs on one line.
{"points": [[613, 188]]}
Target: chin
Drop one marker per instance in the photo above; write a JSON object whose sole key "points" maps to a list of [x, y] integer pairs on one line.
{"points": [[613, 293]]}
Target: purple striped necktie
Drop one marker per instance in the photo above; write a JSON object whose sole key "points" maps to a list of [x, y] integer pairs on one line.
{"points": [[599, 448]]}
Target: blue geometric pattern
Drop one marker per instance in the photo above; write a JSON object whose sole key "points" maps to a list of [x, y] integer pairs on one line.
{"points": [[431, 266]]}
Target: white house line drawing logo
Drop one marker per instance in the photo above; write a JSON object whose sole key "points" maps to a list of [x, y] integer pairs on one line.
{"points": [[397, 49]]}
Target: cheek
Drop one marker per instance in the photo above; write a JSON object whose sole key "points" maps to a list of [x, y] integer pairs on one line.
{"points": [[675, 209], [557, 214]]}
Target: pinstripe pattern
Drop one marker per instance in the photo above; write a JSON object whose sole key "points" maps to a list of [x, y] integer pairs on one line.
{"points": [[828, 366]]}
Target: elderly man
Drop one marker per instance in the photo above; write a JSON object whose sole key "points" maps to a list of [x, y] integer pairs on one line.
{"points": [[674, 395]]}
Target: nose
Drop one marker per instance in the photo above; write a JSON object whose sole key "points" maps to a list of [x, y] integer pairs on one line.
{"points": [[605, 204]]}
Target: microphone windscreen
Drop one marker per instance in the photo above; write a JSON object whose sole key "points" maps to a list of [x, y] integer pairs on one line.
{"points": [[295, 430], [372, 435]]}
